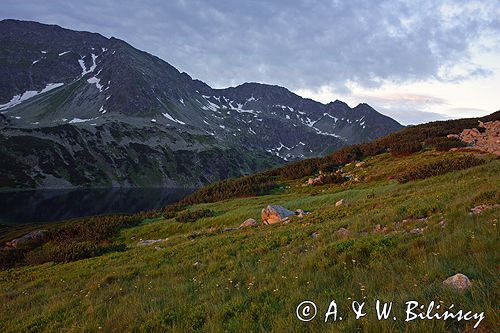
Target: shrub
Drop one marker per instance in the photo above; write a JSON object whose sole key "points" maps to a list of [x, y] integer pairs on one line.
{"points": [[404, 148], [193, 216], [487, 198], [445, 143], [95, 228], [69, 251], [10, 257], [438, 168]]}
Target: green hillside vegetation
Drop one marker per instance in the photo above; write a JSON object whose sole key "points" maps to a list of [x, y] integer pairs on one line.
{"points": [[409, 225]]}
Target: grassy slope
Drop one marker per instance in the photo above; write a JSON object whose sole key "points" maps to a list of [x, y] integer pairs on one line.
{"points": [[252, 280]]}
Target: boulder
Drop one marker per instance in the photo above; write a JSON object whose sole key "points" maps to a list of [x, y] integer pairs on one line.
{"points": [[30, 240], [343, 232], [339, 203], [275, 214], [249, 223], [458, 282]]}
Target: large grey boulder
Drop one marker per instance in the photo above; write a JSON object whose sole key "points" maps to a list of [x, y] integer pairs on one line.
{"points": [[275, 214], [29, 240]]}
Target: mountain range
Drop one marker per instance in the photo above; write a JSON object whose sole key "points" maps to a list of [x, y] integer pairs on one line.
{"points": [[80, 109]]}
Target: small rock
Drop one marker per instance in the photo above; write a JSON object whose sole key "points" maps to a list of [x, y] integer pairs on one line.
{"points": [[341, 202], [301, 212], [443, 223], [249, 223], [229, 229], [417, 231], [378, 229], [150, 241], [458, 282], [315, 234], [343, 232], [359, 164], [481, 208]]}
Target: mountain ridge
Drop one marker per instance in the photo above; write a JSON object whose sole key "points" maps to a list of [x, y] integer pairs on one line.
{"points": [[51, 76]]}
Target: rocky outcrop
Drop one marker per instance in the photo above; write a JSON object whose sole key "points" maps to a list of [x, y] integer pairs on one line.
{"points": [[274, 214], [30, 240], [485, 138], [458, 282]]}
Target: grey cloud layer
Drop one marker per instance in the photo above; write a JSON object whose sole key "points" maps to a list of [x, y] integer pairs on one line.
{"points": [[298, 44]]}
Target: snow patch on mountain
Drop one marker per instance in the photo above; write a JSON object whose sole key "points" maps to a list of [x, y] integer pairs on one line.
{"points": [[96, 81], [18, 99], [84, 68], [169, 117], [79, 120]]}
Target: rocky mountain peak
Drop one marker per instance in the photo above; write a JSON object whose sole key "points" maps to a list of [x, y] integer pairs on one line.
{"points": [[55, 80]]}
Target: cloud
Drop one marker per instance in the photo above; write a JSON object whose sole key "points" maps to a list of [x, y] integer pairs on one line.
{"points": [[412, 116], [407, 108], [302, 44]]}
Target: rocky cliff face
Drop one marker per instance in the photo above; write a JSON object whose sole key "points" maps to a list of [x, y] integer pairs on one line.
{"points": [[79, 109]]}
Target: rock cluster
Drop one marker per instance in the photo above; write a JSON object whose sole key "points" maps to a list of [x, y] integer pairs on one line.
{"points": [[487, 140], [481, 208], [270, 215]]}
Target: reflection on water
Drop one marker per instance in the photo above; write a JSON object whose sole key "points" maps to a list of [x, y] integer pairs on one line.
{"points": [[54, 205]]}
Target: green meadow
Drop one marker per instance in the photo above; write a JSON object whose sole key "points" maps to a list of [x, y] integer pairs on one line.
{"points": [[404, 239]]}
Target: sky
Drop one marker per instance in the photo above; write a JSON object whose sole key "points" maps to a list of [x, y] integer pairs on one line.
{"points": [[415, 61]]}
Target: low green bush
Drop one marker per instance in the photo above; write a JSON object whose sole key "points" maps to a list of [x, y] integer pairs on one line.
{"points": [[438, 168], [405, 148], [193, 216], [445, 143], [10, 257]]}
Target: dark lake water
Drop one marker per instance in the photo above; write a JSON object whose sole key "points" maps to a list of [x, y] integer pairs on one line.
{"points": [[54, 205]]}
